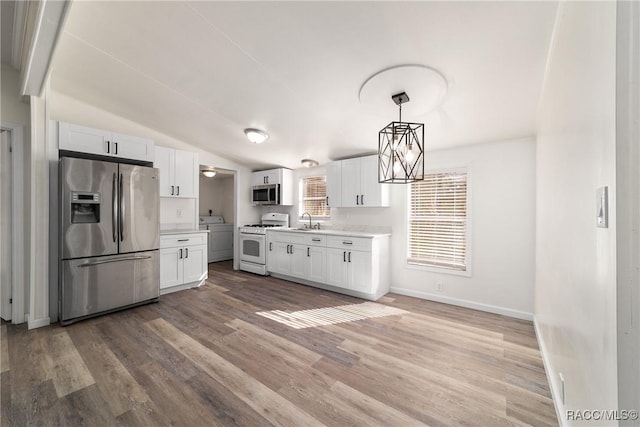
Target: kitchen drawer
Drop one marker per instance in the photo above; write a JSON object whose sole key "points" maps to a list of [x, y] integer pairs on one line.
{"points": [[356, 243], [302, 238], [175, 240], [315, 240]]}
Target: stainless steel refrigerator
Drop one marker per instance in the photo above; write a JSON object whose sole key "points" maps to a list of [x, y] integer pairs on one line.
{"points": [[109, 237]]}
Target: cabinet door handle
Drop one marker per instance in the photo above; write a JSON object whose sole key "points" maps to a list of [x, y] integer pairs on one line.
{"points": [[316, 240], [186, 252], [172, 188], [183, 240], [116, 148], [347, 242], [270, 246], [349, 257], [362, 199], [357, 200], [344, 257], [308, 250], [291, 249], [180, 253], [108, 147], [178, 192]]}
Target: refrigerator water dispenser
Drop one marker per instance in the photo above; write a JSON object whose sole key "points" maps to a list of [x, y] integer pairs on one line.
{"points": [[85, 208]]}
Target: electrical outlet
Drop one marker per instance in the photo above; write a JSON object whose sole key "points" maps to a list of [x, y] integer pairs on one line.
{"points": [[439, 286], [562, 397], [179, 213]]}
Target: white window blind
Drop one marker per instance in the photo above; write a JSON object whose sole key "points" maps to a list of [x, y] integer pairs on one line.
{"points": [[438, 221], [314, 196]]}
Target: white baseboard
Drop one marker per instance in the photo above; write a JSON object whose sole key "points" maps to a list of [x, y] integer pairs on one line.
{"points": [[555, 393], [38, 323], [464, 303]]}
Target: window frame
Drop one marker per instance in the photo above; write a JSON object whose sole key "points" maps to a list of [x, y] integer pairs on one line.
{"points": [[301, 187], [468, 233]]}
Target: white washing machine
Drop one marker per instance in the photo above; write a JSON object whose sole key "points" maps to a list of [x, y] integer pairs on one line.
{"points": [[220, 245]]}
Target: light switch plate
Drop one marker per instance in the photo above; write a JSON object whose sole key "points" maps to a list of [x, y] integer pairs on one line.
{"points": [[602, 203]]}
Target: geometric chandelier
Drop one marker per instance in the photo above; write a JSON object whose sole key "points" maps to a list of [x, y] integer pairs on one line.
{"points": [[401, 149]]}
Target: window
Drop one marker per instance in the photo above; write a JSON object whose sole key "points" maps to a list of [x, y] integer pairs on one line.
{"points": [[313, 197], [438, 220]]}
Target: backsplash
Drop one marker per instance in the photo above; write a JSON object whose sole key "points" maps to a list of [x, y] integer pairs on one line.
{"points": [[177, 214]]}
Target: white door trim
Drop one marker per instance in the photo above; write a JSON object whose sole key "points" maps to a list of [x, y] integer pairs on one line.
{"points": [[18, 235]]}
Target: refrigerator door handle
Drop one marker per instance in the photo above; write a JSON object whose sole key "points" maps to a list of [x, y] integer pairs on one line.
{"points": [[114, 209], [121, 216], [130, 258]]}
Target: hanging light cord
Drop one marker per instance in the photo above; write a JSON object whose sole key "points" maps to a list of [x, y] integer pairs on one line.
{"points": [[400, 105]]}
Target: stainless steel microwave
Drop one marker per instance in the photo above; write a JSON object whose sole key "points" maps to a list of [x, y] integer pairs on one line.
{"points": [[265, 194]]}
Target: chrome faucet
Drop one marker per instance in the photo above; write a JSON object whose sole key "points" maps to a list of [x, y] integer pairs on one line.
{"points": [[302, 216]]}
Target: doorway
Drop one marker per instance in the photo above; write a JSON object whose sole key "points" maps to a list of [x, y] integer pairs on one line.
{"points": [[217, 211], [12, 220], [6, 249]]}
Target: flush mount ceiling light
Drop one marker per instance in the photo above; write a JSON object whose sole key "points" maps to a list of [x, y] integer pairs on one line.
{"points": [[209, 173], [401, 149], [308, 163], [256, 136]]}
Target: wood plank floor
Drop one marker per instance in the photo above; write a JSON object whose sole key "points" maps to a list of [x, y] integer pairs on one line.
{"points": [[204, 357]]}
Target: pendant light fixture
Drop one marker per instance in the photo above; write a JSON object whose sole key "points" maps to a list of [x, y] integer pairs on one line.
{"points": [[401, 149]]}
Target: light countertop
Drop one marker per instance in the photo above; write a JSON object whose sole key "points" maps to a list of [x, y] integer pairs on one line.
{"points": [[345, 233], [181, 231]]}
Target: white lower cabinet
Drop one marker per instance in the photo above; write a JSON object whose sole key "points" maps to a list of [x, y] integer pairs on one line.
{"points": [[294, 259], [353, 265], [349, 269], [183, 261], [316, 264]]}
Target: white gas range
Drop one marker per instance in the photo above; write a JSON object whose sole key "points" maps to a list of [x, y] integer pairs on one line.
{"points": [[253, 242]]}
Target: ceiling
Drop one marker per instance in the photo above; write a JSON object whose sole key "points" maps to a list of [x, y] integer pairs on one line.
{"points": [[203, 71]]}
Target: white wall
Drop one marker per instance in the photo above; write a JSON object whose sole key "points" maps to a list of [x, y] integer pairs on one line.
{"points": [[217, 194], [502, 230], [628, 204], [575, 285]]}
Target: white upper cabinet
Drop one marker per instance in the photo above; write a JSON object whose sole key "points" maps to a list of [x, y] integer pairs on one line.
{"points": [[88, 140], [178, 172], [354, 182], [186, 173], [272, 176], [372, 193], [334, 184], [351, 182], [133, 147]]}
